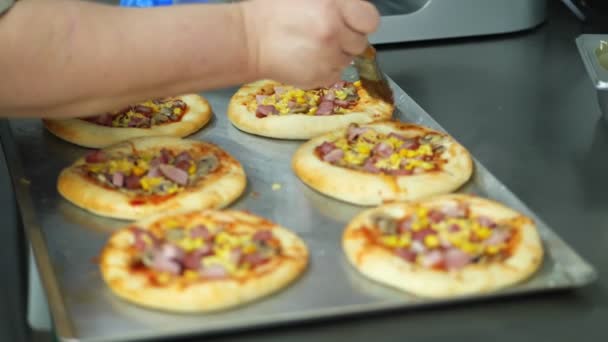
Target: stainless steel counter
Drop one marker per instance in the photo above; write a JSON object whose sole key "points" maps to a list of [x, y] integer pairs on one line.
{"points": [[524, 106]]}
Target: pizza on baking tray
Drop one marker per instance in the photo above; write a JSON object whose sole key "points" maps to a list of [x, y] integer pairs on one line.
{"points": [[383, 161], [142, 176], [275, 110], [177, 116], [445, 246], [199, 261]]}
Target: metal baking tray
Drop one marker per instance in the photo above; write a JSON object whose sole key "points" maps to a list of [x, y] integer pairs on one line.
{"points": [[66, 239]]}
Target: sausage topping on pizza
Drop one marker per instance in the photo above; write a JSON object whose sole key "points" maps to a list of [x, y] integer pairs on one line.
{"points": [[283, 100], [161, 173], [363, 148], [443, 238], [201, 251], [143, 115]]}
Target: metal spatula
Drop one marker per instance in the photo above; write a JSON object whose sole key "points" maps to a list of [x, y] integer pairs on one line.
{"points": [[371, 77]]}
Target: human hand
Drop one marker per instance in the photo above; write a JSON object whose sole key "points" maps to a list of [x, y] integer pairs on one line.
{"points": [[306, 43]]}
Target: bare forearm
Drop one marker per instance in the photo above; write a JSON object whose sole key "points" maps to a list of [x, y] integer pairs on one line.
{"points": [[70, 58]]}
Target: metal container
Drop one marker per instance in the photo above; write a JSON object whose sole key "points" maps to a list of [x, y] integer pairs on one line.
{"points": [[593, 49], [65, 239], [415, 20]]}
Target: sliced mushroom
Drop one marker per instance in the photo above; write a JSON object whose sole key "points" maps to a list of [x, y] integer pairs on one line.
{"points": [[148, 257], [434, 139], [175, 234], [386, 224], [439, 149], [206, 165], [299, 109]]}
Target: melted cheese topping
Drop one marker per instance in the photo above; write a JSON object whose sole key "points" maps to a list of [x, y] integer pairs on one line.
{"points": [[419, 158], [143, 115], [224, 243], [468, 234], [293, 100], [139, 166]]}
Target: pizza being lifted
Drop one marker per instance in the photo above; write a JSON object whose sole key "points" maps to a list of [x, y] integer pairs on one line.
{"points": [[201, 260], [174, 116], [139, 177], [446, 246], [275, 110], [384, 161]]}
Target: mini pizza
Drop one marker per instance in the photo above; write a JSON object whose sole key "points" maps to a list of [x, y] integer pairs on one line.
{"points": [[451, 245], [174, 116], [201, 261], [139, 177], [275, 110], [381, 162]]}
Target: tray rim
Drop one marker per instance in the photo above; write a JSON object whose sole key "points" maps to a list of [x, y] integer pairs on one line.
{"points": [[33, 232], [62, 322]]}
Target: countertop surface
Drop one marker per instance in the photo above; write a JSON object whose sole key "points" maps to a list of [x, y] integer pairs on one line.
{"points": [[525, 107]]}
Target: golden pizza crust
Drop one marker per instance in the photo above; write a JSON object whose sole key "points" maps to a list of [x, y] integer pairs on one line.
{"points": [[366, 188], [88, 134], [299, 126], [203, 295], [215, 190], [381, 265]]}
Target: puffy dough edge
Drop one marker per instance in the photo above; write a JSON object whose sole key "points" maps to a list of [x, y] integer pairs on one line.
{"points": [[299, 127], [382, 266], [90, 135], [363, 188], [205, 296], [214, 192]]}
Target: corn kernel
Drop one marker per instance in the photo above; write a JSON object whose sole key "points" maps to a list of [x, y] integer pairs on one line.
{"points": [[383, 164], [191, 275], [192, 169], [468, 247], [363, 147], [405, 240], [96, 167], [138, 171], [177, 111], [341, 94], [249, 248], [395, 160], [148, 183], [170, 223], [163, 278], [341, 144], [394, 142], [483, 232], [357, 83], [492, 250], [431, 241], [405, 153], [422, 212], [391, 241]]}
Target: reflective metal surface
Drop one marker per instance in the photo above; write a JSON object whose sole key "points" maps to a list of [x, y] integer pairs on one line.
{"points": [[593, 49], [66, 239]]}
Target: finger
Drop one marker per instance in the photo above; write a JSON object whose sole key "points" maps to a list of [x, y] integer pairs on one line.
{"points": [[352, 43], [334, 58], [360, 16], [331, 78]]}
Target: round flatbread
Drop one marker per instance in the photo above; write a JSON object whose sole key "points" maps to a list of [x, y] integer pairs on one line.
{"points": [[201, 260], [381, 162], [177, 116], [139, 177], [271, 109], [447, 246]]}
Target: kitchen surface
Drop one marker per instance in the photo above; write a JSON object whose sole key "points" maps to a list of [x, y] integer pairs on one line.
{"points": [[525, 107]]}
